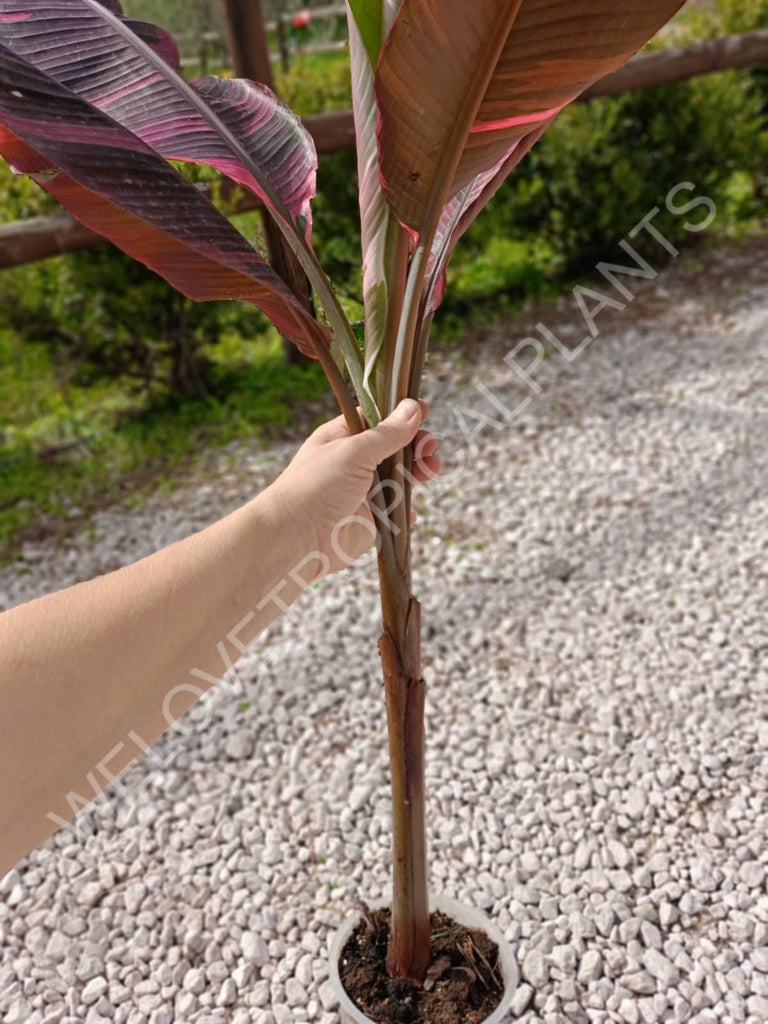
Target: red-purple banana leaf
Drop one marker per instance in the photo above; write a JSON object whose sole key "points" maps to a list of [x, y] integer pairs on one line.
{"points": [[463, 91], [258, 141], [154, 36], [458, 84], [117, 185]]}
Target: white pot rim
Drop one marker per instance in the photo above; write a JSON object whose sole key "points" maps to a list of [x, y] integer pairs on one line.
{"points": [[461, 912]]}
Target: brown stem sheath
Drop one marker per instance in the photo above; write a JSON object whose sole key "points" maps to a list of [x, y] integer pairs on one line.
{"points": [[409, 946]]}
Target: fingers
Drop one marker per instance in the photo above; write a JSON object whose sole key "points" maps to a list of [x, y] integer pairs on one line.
{"points": [[333, 430], [391, 434], [426, 463], [424, 444], [337, 428], [427, 469]]}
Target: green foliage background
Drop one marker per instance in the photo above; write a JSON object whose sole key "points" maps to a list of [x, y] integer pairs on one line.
{"points": [[108, 379]]}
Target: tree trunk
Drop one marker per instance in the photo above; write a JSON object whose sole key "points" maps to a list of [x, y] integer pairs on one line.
{"points": [[187, 372], [400, 648]]}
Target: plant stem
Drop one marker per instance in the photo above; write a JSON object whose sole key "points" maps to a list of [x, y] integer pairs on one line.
{"points": [[400, 647], [401, 363], [342, 331], [339, 388], [419, 355], [395, 283]]}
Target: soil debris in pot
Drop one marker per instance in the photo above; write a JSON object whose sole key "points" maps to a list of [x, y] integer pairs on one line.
{"points": [[464, 984]]}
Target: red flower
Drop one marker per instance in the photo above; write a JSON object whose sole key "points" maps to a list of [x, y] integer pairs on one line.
{"points": [[302, 19]]}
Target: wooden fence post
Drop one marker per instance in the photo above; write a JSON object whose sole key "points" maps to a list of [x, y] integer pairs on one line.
{"points": [[282, 43]]}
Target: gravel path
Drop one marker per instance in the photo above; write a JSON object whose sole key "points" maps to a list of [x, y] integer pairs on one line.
{"points": [[597, 655]]}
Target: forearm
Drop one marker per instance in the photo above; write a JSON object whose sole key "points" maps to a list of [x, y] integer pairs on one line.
{"points": [[89, 674]]}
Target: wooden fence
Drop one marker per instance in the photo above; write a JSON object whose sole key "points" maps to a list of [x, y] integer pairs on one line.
{"points": [[211, 45], [316, 13], [36, 239]]}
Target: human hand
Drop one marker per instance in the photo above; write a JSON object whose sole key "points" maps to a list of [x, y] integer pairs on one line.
{"points": [[323, 491]]}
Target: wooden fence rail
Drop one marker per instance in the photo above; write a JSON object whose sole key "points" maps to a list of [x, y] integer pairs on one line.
{"points": [[40, 237], [684, 62]]}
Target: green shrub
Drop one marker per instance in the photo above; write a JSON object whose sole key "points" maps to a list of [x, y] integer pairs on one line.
{"points": [[316, 83], [503, 264], [726, 17], [337, 222], [723, 18], [105, 317]]}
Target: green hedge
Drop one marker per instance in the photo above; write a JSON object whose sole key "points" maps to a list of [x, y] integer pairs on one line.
{"points": [[605, 164]]}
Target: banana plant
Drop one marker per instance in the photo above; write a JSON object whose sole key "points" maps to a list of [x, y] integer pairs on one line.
{"points": [[448, 97]]}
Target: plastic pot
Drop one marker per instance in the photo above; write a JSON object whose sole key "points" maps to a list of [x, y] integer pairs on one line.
{"points": [[460, 913]]}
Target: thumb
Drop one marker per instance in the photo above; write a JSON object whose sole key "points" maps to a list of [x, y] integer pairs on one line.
{"points": [[391, 434]]}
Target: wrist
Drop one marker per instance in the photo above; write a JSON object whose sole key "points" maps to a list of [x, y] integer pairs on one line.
{"points": [[289, 529]]}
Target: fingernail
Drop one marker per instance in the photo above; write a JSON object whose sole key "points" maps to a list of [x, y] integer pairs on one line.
{"points": [[406, 410]]}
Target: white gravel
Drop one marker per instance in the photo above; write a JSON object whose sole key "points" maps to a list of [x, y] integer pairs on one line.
{"points": [[596, 651]]}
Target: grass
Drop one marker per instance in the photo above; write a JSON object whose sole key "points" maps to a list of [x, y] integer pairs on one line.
{"points": [[65, 453], [322, 63]]}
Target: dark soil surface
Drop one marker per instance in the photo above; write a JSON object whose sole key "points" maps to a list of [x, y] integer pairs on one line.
{"points": [[464, 985]]}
